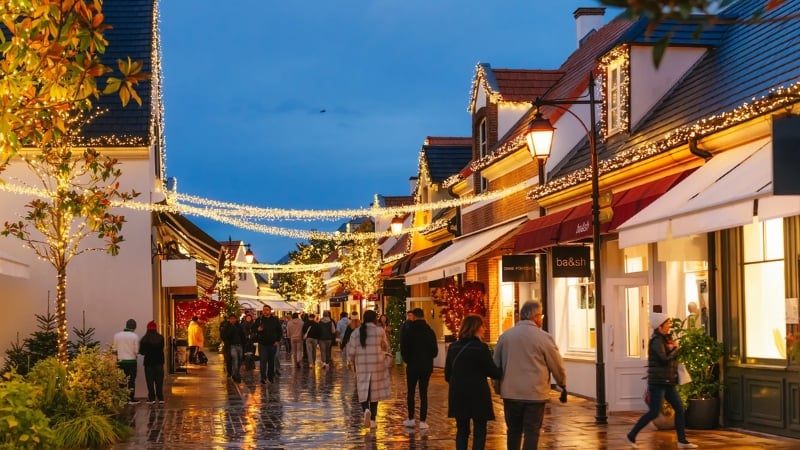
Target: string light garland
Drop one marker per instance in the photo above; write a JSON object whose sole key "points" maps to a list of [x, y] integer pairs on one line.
{"points": [[776, 99], [227, 209], [481, 79]]}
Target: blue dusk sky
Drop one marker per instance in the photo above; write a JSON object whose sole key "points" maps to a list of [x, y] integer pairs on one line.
{"points": [[245, 84]]}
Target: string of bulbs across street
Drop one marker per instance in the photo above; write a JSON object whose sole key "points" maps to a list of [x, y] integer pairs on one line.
{"points": [[243, 216]]}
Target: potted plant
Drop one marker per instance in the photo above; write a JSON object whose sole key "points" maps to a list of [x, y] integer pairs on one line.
{"points": [[700, 353]]}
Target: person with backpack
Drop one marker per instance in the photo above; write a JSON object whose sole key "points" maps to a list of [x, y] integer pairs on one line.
{"points": [[327, 333]]}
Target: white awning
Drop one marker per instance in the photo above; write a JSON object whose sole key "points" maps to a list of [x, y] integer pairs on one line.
{"points": [[726, 192], [453, 259], [13, 267]]}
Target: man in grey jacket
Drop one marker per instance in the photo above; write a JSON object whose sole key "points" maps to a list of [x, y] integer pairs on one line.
{"points": [[528, 356]]}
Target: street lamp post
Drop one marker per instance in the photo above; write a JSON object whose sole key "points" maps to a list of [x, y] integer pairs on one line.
{"points": [[539, 130], [542, 135]]}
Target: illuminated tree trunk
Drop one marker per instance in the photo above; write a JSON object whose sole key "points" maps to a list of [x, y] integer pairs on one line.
{"points": [[61, 315]]}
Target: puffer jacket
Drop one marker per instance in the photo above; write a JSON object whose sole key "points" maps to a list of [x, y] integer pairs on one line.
{"points": [[662, 364]]}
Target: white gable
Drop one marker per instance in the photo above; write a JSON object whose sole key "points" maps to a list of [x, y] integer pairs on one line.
{"points": [[650, 84]]}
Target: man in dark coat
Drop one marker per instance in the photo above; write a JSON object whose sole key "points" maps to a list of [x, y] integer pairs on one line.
{"points": [[418, 348], [233, 338], [270, 333]]}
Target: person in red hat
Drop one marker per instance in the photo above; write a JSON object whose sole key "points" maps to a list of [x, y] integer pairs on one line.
{"points": [[152, 347]]}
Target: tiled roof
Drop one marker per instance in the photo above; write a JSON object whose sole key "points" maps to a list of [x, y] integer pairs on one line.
{"points": [[446, 156], [397, 200], [576, 71], [693, 32], [521, 85], [400, 247], [511, 85], [751, 58], [132, 36]]}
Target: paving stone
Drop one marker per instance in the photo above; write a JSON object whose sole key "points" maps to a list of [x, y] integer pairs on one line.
{"points": [[318, 408]]}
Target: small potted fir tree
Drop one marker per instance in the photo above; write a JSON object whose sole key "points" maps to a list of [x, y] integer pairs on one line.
{"points": [[700, 353]]}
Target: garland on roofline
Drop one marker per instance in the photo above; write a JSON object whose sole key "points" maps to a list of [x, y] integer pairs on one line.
{"points": [[776, 99]]}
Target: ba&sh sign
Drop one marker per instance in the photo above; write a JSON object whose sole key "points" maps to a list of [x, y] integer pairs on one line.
{"points": [[571, 262]]}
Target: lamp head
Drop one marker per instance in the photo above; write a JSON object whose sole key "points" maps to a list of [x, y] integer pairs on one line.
{"points": [[249, 256], [397, 225], [539, 137]]}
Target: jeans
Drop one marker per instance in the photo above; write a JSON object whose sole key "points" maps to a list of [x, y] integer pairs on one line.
{"points": [[523, 418], [236, 354], [297, 351], [462, 433], [129, 369], [311, 350], [325, 350], [266, 359], [659, 393], [414, 375], [193, 354], [154, 375]]}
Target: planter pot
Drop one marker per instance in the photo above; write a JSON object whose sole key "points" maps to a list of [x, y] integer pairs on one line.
{"points": [[702, 414], [663, 422]]}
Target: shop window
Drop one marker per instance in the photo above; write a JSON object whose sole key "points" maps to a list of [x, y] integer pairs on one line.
{"points": [[764, 291], [635, 259], [580, 314], [633, 296]]}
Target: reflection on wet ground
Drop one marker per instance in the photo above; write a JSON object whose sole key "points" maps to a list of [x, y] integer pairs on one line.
{"points": [[318, 409]]}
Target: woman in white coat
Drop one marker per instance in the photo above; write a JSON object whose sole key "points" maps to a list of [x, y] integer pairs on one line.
{"points": [[367, 350]]}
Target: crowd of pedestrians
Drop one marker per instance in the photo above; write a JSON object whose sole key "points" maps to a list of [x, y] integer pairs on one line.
{"points": [[524, 362]]}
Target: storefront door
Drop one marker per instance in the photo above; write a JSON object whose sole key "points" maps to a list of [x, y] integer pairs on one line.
{"points": [[625, 342]]}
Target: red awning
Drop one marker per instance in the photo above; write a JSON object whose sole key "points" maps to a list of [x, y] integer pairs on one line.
{"points": [[576, 223], [625, 204], [412, 260], [540, 232], [636, 199]]}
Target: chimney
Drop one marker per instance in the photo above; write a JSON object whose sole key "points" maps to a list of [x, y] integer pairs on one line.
{"points": [[587, 21], [412, 182]]}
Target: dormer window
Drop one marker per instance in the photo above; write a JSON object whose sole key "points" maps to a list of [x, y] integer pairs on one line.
{"points": [[616, 91], [483, 148]]}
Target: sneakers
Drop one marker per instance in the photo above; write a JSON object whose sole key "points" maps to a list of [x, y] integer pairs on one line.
{"points": [[324, 365], [409, 423], [373, 424], [367, 419], [161, 402], [423, 425], [631, 443], [686, 445]]}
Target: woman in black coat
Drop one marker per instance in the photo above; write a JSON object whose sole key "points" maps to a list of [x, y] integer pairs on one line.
{"points": [[468, 364], [152, 347]]}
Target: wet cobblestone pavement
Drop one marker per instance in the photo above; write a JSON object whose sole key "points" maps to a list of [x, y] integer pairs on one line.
{"points": [[318, 409]]}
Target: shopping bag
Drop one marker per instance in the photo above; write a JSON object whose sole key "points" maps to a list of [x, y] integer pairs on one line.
{"points": [[683, 375]]}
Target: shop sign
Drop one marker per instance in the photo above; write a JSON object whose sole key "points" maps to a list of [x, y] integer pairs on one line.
{"points": [[519, 268], [571, 262]]}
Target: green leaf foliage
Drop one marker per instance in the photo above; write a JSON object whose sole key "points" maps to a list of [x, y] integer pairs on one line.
{"points": [[701, 354], [22, 424]]}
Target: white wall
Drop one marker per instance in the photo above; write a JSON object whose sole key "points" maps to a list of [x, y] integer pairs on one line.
{"points": [[648, 84], [110, 289]]}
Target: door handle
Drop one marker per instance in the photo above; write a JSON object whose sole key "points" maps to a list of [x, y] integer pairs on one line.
{"points": [[611, 344]]}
